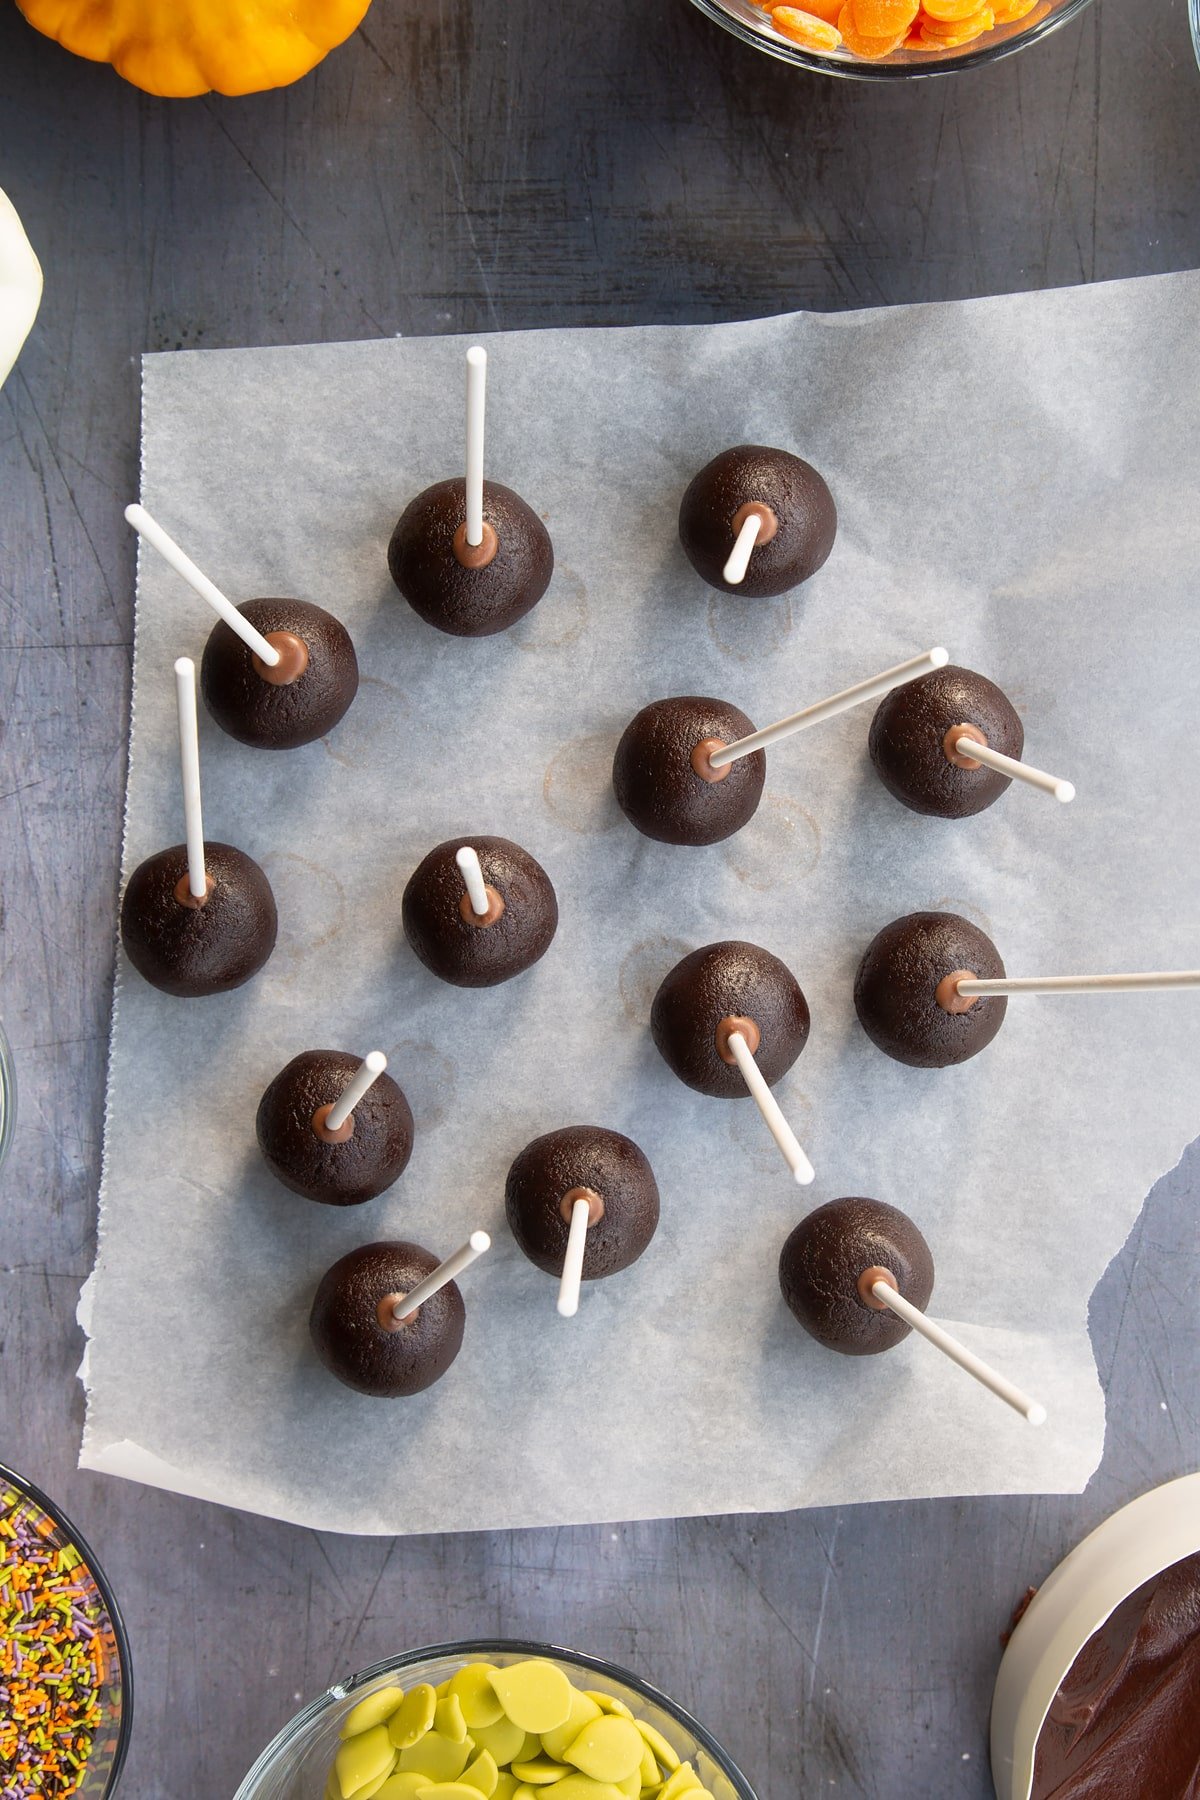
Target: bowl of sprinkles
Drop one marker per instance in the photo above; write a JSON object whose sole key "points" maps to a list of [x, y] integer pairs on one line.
{"points": [[66, 1692]]}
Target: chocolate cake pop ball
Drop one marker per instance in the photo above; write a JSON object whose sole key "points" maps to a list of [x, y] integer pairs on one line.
{"points": [[664, 782], [799, 519], [904, 990], [464, 590], [914, 733], [720, 989], [479, 950], [191, 947], [342, 1166], [357, 1336], [582, 1162], [297, 701], [829, 1263]]}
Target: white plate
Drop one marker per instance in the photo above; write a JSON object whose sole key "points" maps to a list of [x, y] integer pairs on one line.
{"points": [[20, 286]]}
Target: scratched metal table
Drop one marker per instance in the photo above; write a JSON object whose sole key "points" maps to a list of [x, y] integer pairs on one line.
{"points": [[457, 169]]}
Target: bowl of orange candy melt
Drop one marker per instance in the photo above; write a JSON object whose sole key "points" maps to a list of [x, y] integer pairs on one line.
{"points": [[890, 40]]}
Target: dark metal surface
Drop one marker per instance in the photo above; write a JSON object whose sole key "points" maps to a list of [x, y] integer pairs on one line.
{"points": [[466, 168]]}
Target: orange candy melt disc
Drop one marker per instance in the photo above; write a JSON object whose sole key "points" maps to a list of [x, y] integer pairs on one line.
{"points": [[963, 31], [948, 11], [884, 18], [822, 9], [805, 28], [871, 48]]}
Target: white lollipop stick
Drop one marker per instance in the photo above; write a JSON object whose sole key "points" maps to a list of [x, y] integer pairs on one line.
{"points": [[572, 1270], [1081, 984], [476, 1244], [829, 709], [472, 874], [198, 581], [189, 757], [476, 387], [768, 1106], [739, 557], [1008, 765], [1033, 1410], [365, 1076]]}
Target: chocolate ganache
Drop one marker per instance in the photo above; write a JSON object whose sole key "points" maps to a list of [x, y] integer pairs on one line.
{"points": [[1125, 1724]]}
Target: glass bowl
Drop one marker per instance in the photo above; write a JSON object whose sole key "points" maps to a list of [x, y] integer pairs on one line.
{"points": [[8, 1096], [753, 26], [22, 1503], [295, 1764]]}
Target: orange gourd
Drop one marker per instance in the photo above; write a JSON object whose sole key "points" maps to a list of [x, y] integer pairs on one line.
{"points": [[182, 47]]}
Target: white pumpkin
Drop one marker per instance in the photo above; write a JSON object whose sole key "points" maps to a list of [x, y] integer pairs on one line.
{"points": [[20, 285]]}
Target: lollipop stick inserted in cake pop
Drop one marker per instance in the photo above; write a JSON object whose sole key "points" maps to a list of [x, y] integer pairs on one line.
{"points": [[198, 581], [972, 751], [189, 756], [886, 1294], [828, 709], [572, 1273], [739, 557], [971, 987], [463, 1257], [476, 394], [768, 1106], [364, 1078], [470, 869]]}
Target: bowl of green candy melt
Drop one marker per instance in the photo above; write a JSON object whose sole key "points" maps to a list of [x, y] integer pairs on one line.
{"points": [[482, 1720]]}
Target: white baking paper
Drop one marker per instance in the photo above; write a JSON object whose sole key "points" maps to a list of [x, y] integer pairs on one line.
{"points": [[1015, 478]]}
